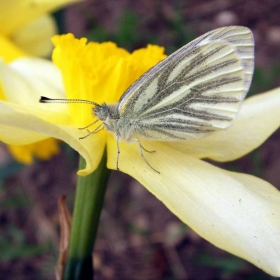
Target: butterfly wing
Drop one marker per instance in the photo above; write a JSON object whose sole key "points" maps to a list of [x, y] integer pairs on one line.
{"points": [[194, 91]]}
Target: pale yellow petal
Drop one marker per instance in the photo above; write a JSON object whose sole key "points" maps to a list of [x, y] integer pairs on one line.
{"points": [[16, 13], [19, 127], [18, 136], [25, 80], [34, 37], [238, 213], [258, 118]]}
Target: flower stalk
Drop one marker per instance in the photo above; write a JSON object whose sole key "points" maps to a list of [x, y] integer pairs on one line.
{"points": [[88, 205]]}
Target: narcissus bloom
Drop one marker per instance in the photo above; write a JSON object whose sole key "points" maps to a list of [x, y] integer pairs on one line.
{"points": [[236, 212], [26, 29]]}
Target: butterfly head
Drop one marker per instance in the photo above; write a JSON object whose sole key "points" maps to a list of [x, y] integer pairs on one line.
{"points": [[108, 114], [102, 112]]}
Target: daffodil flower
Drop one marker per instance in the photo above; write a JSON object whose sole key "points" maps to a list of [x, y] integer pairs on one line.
{"points": [[236, 212], [26, 29]]}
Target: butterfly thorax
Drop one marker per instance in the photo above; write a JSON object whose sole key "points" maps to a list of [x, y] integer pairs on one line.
{"points": [[113, 121]]}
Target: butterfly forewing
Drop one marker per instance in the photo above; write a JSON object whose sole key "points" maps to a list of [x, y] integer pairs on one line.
{"points": [[196, 90]]}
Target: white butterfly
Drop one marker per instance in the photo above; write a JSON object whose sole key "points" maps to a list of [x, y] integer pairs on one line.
{"points": [[193, 92]]}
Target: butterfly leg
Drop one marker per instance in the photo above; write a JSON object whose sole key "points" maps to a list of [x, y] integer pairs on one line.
{"points": [[81, 128], [141, 148], [146, 149], [92, 132]]}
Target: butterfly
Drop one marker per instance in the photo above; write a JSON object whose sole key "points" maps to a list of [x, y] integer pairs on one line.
{"points": [[192, 93]]}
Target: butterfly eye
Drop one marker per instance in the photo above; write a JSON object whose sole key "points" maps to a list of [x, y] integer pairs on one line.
{"points": [[102, 112]]}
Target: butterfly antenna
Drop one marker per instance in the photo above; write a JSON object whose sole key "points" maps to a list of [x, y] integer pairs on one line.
{"points": [[44, 99]]}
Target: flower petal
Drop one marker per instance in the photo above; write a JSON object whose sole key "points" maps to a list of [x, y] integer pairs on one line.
{"points": [[35, 37], [16, 13], [149, 56], [258, 119], [16, 120], [26, 79], [43, 150], [236, 212]]}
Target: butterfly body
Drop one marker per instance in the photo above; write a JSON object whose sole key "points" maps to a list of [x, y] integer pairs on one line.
{"points": [[114, 122]]}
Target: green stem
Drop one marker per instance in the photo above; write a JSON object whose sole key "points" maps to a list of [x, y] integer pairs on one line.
{"points": [[88, 205]]}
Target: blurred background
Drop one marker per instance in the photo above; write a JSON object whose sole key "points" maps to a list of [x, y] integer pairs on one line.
{"points": [[138, 237]]}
